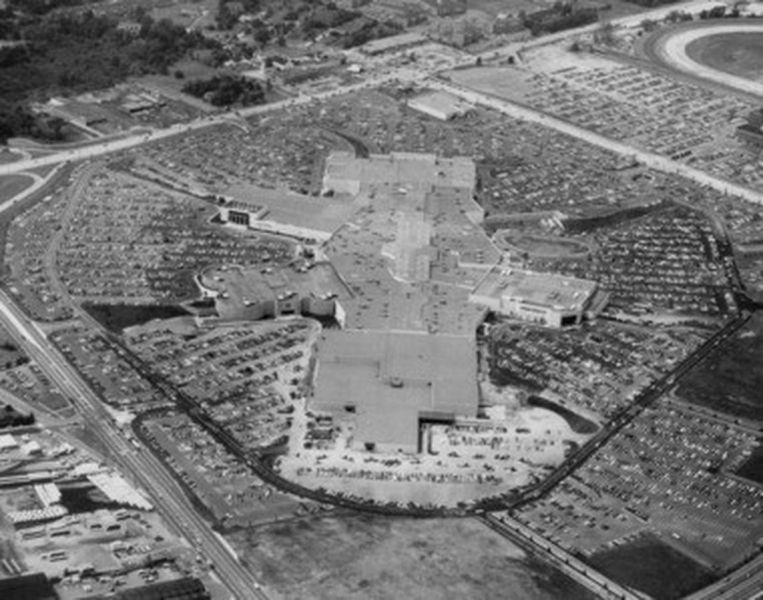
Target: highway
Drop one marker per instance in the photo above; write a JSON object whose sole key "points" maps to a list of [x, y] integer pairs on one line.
{"points": [[745, 583], [141, 465], [165, 492], [650, 159], [574, 568], [124, 142], [255, 459]]}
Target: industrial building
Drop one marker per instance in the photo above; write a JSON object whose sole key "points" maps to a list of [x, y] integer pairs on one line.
{"points": [[544, 298], [393, 381], [440, 105]]}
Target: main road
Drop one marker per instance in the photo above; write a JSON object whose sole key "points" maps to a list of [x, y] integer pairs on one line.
{"points": [[144, 136], [142, 466], [650, 159]]}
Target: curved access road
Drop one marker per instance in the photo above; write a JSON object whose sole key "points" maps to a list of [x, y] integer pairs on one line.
{"points": [[671, 50]]}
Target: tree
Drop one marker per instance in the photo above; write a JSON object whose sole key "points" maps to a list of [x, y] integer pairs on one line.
{"points": [[225, 18], [605, 35], [649, 25], [262, 36]]}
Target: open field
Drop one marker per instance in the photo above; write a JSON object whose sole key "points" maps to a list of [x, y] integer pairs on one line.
{"points": [[752, 468], [117, 317], [379, 558], [10, 353], [577, 423], [736, 53], [653, 567], [195, 14], [8, 156], [731, 44], [537, 245], [730, 380], [10, 185], [616, 8]]}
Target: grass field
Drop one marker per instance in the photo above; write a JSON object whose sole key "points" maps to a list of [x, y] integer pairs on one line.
{"points": [[544, 246], [652, 567], [577, 423], [116, 317], [374, 558], [10, 354], [752, 468], [736, 53], [730, 379], [6, 156], [10, 185]]}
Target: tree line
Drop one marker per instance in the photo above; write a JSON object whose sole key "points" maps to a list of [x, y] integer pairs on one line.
{"points": [[63, 53]]}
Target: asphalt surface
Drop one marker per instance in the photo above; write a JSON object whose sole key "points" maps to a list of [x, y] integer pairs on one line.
{"points": [[526, 538], [650, 159], [124, 142], [145, 469], [140, 465]]}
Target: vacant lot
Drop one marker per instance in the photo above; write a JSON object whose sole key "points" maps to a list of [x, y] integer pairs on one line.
{"points": [[10, 185], [117, 317], [653, 567], [543, 246], [378, 558], [752, 468], [10, 354], [730, 379], [8, 156]]}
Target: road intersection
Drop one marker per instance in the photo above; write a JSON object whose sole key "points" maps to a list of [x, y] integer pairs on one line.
{"points": [[141, 466], [145, 469]]}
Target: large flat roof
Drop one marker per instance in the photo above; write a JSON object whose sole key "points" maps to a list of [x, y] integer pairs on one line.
{"points": [[400, 171], [543, 289], [310, 212], [392, 376], [414, 251], [255, 284], [441, 102]]}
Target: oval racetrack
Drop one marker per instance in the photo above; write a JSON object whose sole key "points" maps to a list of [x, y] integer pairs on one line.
{"points": [[671, 50]]}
